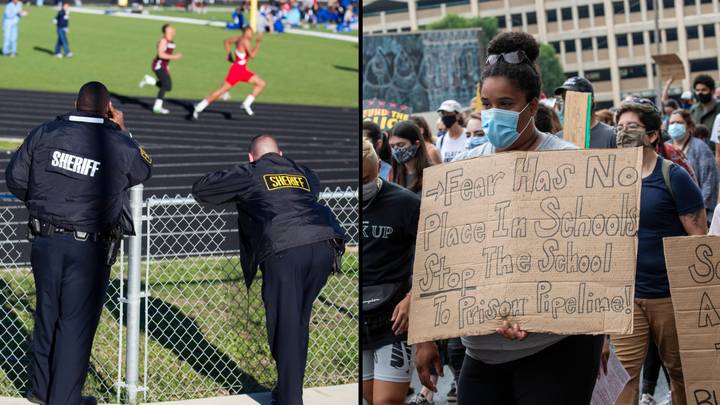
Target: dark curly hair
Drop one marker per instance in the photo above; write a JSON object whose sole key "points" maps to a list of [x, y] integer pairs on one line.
{"points": [[706, 80], [523, 75]]}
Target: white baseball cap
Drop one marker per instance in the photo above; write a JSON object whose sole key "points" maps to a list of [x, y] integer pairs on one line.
{"points": [[686, 95], [450, 106]]}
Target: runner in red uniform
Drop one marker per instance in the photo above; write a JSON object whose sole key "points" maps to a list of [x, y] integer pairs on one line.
{"points": [[238, 71], [165, 49]]}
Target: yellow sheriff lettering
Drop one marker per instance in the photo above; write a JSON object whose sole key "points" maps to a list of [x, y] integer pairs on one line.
{"points": [[280, 181]]}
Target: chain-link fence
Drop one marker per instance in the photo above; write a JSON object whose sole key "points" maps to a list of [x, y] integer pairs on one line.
{"points": [[203, 333]]}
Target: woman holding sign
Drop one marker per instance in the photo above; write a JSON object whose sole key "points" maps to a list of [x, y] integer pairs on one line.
{"points": [[671, 204], [514, 366]]}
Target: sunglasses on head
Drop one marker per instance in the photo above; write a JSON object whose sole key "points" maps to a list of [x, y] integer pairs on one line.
{"points": [[513, 58], [644, 102]]}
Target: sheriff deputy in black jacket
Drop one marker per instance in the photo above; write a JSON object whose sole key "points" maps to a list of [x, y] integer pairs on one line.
{"points": [[73, 173], [295, 240]]}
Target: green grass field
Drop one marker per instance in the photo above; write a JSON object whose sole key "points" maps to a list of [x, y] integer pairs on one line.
{"points": [[118, 52], [9, 145], [206, 332]]}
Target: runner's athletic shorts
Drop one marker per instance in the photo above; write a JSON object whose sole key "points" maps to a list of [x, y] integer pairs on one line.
{"points": [[238, 73], [393, 362]]}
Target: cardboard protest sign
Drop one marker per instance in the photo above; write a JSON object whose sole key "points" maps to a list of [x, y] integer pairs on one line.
{"points": [[544, 239], [670, 66], [578, 110], [385, 114], [693, 266]]}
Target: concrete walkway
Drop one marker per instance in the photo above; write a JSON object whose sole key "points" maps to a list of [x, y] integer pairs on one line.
{"points": [[338, 394]]}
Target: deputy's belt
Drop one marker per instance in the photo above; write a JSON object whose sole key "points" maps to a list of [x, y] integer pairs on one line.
{"points": [[42, 228]]}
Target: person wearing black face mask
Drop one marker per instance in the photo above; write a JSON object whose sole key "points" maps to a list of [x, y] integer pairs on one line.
{"points": [[453, 142], [705, 110]]}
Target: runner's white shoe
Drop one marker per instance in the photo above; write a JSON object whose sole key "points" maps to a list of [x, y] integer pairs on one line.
{"points": [[225, 96], [248, 109], [161, 110]]}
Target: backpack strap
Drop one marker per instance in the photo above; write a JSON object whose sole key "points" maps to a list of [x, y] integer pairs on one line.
{"points": [[666, 165]]}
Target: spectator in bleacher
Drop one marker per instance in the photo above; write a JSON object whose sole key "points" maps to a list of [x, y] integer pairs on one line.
{"points": [[426, 134], [409, 154]]}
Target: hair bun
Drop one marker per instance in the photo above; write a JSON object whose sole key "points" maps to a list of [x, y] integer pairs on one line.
{"points": [[514, 41]]}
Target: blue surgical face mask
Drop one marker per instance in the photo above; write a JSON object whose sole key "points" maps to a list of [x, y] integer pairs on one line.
{"points": [[402, 155], [500, 126], [676, 131], [475, 141]]}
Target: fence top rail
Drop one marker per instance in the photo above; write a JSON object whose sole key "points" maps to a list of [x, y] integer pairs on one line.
{"points": [[155, 201]]}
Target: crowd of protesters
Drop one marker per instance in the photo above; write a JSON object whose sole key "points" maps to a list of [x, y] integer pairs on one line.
{"points": [[679, 194]]}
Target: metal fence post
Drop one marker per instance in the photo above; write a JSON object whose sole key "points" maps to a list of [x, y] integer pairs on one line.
{"points": [[133, 296]]}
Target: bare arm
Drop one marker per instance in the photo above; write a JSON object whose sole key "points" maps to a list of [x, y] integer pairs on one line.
{"points": [[252, 52], [666, 89], [229, 42], [695, 223], [164, 55]]}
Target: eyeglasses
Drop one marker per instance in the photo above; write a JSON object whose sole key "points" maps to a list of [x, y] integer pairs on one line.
{"points": [[513, 58], [629, 127]]}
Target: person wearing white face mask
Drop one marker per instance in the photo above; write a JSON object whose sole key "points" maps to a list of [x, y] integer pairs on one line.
{"points": [[390, 215], [701, 158]]}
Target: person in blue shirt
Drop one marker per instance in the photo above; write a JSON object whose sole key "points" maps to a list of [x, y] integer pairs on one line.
{"points": [[62, 20], [11, 20], [671, 204]]}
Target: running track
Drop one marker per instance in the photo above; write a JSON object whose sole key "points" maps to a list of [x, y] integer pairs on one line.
{"points": [[323, 138]]}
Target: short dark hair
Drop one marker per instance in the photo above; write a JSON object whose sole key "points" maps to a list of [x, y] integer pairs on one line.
{"points": [[706, 80], [673, 104], [164, 27], [373, 131], [523, 75], [93, 97]]}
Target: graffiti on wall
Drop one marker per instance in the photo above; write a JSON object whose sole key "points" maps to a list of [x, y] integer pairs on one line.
{"points": [[423, 69]]}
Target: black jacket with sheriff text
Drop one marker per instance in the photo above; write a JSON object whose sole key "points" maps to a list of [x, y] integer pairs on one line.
{"points": [[74, 171], [278, 207]]}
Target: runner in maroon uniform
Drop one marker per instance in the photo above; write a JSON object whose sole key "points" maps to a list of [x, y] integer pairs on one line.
{"points": [[238, 72], [165, 53]]}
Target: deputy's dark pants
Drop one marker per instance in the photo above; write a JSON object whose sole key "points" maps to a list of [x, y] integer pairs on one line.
{"points": [[70, 283], [292, 279]]}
